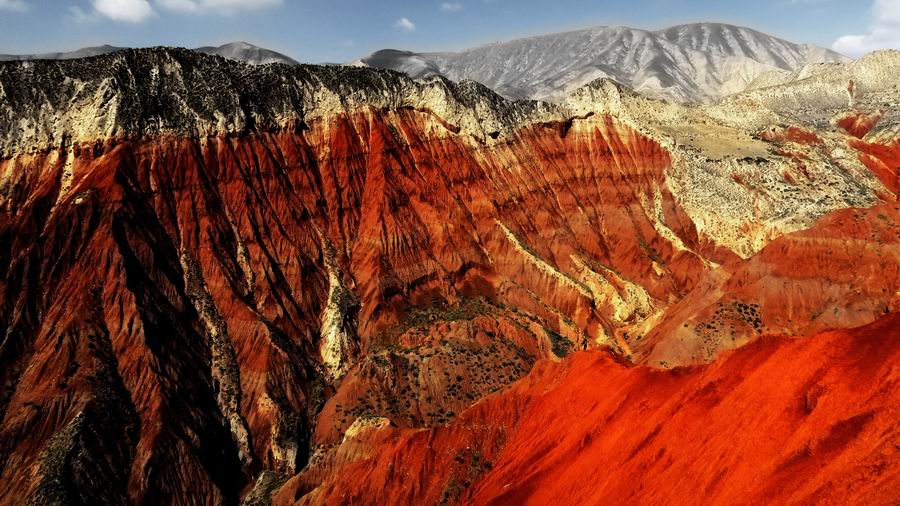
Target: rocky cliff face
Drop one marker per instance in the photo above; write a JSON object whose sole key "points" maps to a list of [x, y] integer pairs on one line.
{"points": [[214, 277]]}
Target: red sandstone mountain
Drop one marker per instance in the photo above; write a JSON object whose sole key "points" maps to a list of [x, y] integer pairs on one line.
{"points": [[810, 420], [221, 282]]}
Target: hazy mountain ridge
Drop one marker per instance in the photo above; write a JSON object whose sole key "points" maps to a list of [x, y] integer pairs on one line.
{"points": [[238, 51], [248, 53], [694, 62], [84, 52]]}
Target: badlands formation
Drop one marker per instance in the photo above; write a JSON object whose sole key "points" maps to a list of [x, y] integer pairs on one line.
{"points": [[224, 283]]}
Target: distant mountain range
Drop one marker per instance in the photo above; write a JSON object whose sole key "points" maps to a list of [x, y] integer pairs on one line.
{"points": [[687, 63], [693, 62], [248, 53], [240, 51], [84, 52]]}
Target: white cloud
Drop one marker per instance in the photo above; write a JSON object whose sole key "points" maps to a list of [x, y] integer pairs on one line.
{"points": [[405, 24], [132, 11], [217, 6], [137, 11], [79, 16], [451, 6], [13, 5], [348, 43], [884, 33], [178, 5]]}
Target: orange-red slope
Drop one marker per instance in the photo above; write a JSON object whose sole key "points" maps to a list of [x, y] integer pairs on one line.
{"points": [[841, 272], [858, 124], [810, 420], [204, 264], [883, 160]]}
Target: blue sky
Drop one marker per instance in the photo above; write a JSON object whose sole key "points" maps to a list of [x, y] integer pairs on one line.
{"points": [[342, 30]]}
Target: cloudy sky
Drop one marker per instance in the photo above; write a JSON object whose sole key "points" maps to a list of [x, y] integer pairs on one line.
{"points": [[342, 30]]}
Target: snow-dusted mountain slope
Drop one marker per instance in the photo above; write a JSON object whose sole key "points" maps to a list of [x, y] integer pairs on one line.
{"points": [[238, 51], [694, 62]]}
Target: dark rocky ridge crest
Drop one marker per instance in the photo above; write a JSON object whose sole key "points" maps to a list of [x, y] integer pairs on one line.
{"points": [[162, 90]]}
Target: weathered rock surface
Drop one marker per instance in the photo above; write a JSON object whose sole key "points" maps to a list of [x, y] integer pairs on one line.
{"points": [[809, 420], [216, 277]]}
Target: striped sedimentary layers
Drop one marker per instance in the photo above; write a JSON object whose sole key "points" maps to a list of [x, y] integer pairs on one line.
{"points": [[215, 276]]}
